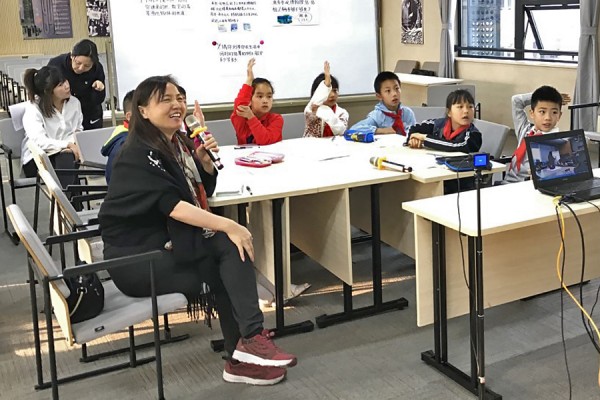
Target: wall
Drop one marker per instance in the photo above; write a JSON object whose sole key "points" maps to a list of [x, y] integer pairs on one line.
{"points": [[12, 42], [495, 81]]}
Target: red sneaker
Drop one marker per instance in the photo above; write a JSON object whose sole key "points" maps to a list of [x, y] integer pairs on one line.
{"points": [[252, 374], [261, 350]]}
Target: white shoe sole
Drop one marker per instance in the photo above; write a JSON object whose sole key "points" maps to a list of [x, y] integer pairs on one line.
{"points": [[227, 377], [252, 359]]}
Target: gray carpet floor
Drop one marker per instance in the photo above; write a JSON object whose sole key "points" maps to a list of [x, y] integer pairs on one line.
{"points": [[371, 358]]}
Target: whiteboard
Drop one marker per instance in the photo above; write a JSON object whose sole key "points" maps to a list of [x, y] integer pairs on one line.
{"points": [[206, 44]]}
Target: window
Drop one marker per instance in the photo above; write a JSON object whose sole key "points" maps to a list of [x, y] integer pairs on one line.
{"points": [[546, 30]]}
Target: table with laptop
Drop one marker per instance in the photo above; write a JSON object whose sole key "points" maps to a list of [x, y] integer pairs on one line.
{"points": [[561, 165], [520, 245]]}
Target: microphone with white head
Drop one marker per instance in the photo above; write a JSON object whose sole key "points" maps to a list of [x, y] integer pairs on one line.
{"points": [[198, 130], [383, 163]]}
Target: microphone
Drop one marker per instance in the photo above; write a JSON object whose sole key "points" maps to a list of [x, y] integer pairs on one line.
{"points": [[197, 130], [383, 163]]}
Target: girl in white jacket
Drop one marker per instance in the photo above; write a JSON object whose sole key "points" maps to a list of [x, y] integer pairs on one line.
{"points": [[324, 117]]}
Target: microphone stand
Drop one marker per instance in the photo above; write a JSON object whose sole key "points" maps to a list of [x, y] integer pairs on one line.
{"points": [[479, 328]]}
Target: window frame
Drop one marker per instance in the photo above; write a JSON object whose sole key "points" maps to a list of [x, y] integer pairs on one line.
{"points": [[523, 10]]}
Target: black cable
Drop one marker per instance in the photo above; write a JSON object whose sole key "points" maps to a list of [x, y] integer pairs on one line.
{"points": [[586, 325], [589, 323], [562, 320]]}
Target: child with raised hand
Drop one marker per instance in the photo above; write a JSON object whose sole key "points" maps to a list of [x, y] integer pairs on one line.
{"points": [[324, 117], [454, 132], [546, 103], [252, 119]]}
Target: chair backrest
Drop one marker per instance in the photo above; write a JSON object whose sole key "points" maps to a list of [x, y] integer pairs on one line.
{"points": [[293, 125], [222, 130], [425, 113], [431, 66], [43, 266], [90, 142], [66, 208], [493, 136], [11, 138], [406, 66], [437, 95], [41, 159]]}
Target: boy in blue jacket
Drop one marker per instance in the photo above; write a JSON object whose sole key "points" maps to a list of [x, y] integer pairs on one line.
{"points": [[389, 115], [117, 138]]}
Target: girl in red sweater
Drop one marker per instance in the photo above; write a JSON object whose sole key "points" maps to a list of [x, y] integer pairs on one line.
{"points": [[251, 117]]}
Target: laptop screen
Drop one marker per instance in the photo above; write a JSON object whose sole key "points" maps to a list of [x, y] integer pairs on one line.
{"points": [[559, 157]]}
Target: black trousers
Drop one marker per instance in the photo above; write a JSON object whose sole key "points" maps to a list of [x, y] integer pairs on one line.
{"points": [[62, 160], [231, 281]]}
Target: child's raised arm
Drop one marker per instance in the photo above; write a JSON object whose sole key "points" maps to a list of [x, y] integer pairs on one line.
{"points": [[327, 73], [250, 72]]}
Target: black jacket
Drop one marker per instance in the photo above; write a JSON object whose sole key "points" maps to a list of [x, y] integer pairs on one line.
{"points": [[144, 189], [81, 87], [467, 142]]}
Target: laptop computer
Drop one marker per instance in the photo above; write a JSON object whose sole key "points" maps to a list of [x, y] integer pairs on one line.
{"points": [[560, 165]]}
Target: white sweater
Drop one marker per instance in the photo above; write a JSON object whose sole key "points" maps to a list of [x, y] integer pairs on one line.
{"points": [[51, 134]]}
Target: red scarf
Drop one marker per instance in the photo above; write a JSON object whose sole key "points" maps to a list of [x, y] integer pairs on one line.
{"points": [[519, 153], [448, 134], [126, 124], [327, 132], [398, 124]]}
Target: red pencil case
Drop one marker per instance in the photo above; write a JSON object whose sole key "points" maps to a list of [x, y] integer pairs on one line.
{"points": [[274, 157]]}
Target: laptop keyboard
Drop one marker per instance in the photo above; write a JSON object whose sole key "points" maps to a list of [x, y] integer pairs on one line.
{"points": [[579, 186]]}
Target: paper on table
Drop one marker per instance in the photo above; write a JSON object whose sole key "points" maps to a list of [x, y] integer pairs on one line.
{"points": [[229, 188]]}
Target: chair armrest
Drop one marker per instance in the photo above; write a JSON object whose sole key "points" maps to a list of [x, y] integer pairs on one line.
{"points": [[72, 236], [79, 199], [7, 150], [86, 188], [107, 264], [81, 172]]}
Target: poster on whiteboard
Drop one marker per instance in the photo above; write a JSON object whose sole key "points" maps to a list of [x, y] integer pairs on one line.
{"points": [[206, 44]]}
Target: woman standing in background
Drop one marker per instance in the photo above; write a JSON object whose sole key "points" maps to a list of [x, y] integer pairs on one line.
{"points": [[86, 77]]}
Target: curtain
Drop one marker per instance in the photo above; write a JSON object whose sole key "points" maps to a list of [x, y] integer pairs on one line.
{"points": [[587, 86], [446, 43]]}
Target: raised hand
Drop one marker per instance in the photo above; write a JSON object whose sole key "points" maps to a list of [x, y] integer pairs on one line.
{"points": [[327, 73], [250, 72], [565, 98]]}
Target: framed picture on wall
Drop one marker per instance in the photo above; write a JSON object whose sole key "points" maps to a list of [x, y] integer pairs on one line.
{"points": [[97, 16], [45, 20], [412, 21]]}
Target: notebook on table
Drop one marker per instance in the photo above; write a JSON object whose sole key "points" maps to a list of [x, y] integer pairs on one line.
{"points": [[560, 165]]}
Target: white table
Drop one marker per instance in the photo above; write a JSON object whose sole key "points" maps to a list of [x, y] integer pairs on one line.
{"points": [[323, 188], [520, 246]]}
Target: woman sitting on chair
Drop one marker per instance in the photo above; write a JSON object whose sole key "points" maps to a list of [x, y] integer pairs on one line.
{"points": [[51, 119], [157, 200]]}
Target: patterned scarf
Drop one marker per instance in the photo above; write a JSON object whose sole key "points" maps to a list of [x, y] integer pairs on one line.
{"points": [[186, 162]]}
